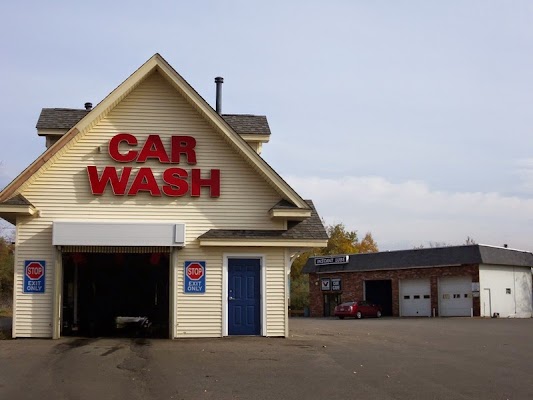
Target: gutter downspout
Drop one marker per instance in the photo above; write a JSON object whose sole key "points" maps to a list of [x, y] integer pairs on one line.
{"points": [[490, 302]]}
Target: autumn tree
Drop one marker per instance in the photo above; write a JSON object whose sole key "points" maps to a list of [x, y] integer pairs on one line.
{"points": [[341, 241]]}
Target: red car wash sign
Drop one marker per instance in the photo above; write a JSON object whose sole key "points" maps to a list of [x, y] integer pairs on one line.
{"points": [[34, 276], [194, 277], [173, 182]]}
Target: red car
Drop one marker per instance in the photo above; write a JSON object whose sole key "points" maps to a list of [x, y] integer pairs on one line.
{"points": [[357, 309]]}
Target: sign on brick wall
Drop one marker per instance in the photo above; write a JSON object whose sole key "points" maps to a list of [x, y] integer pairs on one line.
{"points": [[332, 260]]}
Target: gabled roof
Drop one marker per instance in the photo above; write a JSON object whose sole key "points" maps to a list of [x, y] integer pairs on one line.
{"points": [[66, 118], [18, 200], [288, 211], [431, 257], [310, 230], [285, 205], [157, 63], [248, 124], [60, 118], [16, 205]]}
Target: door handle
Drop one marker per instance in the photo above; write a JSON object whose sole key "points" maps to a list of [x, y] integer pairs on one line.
{"points": [[231, 298]]}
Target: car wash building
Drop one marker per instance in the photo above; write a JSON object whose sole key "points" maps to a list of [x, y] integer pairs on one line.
{"points": [[473, 280], [154, 214]]}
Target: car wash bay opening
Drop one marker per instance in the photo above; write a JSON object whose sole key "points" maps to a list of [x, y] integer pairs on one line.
{"points": [[117, 294]]}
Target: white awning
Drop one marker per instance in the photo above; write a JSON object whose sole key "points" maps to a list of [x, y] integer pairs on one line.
{"points": [[118, 233]]}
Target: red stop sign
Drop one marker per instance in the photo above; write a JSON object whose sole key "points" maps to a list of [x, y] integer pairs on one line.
{"points": [[34, 270], [195, 271]]}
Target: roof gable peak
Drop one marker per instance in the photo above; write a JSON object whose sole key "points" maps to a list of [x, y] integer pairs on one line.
{"points": [[157, 62]]}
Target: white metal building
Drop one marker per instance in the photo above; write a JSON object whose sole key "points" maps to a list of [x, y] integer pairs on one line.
{"points": [[154, 210], [505, 292]]}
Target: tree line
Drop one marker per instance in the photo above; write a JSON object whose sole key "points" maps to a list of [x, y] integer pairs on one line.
{"points": [[7, 262]]}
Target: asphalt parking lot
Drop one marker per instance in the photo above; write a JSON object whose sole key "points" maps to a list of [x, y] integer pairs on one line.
{"points": [[388, 358]]}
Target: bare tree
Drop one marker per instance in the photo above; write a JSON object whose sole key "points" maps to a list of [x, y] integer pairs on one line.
{"points": [[470, 240], [7, 231]]}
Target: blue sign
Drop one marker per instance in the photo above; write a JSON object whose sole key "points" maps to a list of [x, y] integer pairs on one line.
{"points": [[194, 277], [34, 276]]}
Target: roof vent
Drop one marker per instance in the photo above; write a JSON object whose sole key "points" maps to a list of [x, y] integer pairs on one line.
{"points": [[88, 106], [219, 81]]}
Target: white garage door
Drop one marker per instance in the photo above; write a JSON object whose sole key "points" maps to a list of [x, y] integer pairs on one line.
{"points": [[455, 296], [415, 298]]}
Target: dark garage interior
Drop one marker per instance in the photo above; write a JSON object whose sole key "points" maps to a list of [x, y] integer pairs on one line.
{"points": [[380, 292], [120, 294]]}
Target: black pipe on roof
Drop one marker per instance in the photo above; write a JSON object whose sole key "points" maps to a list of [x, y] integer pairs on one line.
{"points": [[219, 81]]}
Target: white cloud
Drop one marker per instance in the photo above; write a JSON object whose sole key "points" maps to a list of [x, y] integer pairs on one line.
{"points": [[402, 215], [524, 170]]}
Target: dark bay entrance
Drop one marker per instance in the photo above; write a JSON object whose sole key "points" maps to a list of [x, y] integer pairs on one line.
{"points": [[380, 292], [120, 294]]}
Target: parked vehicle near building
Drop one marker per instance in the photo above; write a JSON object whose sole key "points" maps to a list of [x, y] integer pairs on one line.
{"points": [[454, 281], [357, 309]]}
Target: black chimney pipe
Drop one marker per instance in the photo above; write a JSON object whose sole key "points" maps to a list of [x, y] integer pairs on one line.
{"points": [[88, 106], [219, 81]]}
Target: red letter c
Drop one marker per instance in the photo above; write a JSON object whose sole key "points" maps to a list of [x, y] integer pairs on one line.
{"points": [[114, 144]]}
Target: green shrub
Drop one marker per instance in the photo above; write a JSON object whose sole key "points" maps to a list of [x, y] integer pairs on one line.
{"points": [[300, 292]]}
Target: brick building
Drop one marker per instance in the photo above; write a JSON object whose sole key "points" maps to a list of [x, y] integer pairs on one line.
{"points": [[475, 280]]}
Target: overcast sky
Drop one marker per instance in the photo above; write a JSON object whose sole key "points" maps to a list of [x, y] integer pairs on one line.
{"points": [[409, 119]]}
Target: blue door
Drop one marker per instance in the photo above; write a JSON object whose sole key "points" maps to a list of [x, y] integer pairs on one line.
{"points": [[244, 296]]}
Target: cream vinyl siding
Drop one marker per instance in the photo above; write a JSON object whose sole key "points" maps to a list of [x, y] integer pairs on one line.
{"points": [[276, 280], [201, 315], [61, 191], [33, 312]]}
